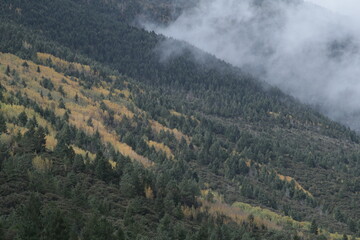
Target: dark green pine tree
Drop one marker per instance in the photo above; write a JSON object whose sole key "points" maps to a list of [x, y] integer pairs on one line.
{"points": [[33, 141], [32, 123], [2, 230], [120, 235], [7, 71], [40, 140], [129, 185], [62, 104], [22, 119], [29, 219], [65, 134], [63, 151], [314, 228], [189, 190], [78, 165], [61, 91], [55, 225], [98, 229], [25, 65], [102, 167], [3, 128], [28, 143], [352, 225], [103, 106]]}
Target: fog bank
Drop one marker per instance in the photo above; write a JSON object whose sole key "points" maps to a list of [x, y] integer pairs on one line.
{"points": [[309, 52]]}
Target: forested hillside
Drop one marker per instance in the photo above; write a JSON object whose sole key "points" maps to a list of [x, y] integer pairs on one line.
{"points": [[103, 138]]}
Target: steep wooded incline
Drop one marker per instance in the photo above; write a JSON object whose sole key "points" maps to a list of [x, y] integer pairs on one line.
{"points": [[104, 138]]}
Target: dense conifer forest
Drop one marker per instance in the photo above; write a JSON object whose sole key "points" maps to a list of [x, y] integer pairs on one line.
{"points": [[103, 138]]}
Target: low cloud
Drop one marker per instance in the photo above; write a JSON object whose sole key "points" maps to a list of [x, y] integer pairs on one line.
{"points": [[307, 51]]}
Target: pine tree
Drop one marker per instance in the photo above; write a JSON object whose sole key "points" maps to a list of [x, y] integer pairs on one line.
{"points": [[32, 123], [62, 104], [98, 228], [128, 185], [339, 216], [65, 152], [7, 71], [29, 224], [76, 98], [314, 228], [55, 225], [89, 122], [22, 119], [29, 143], [78, 165], [352, 225], [3, 128], [40, 140], [102, 167], [38, 69], [103, 106], [120, 235], [2, 232], [25, 65], [61, 91]]}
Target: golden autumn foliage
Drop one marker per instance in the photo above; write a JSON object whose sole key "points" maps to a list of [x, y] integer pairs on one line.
{"points": [[124, 92], [297, 185], [51, 142], [149, 193], [13, 111], [274, 114], [62, 63], [283, 178], [5, 138], [41, 164], [218, 206], [112, 164], [87, 104], [119, 109], [161, 148], [13, 129], [157, 127], [177, 114], [190, 212], [83, 153], [239, 213]]}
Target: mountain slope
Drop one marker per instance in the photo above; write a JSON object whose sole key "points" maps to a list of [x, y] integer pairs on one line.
{"points": [[63, 176], [184, 119]]}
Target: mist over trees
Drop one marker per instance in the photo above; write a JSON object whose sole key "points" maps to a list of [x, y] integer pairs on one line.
{"points": [[307, 51]]}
